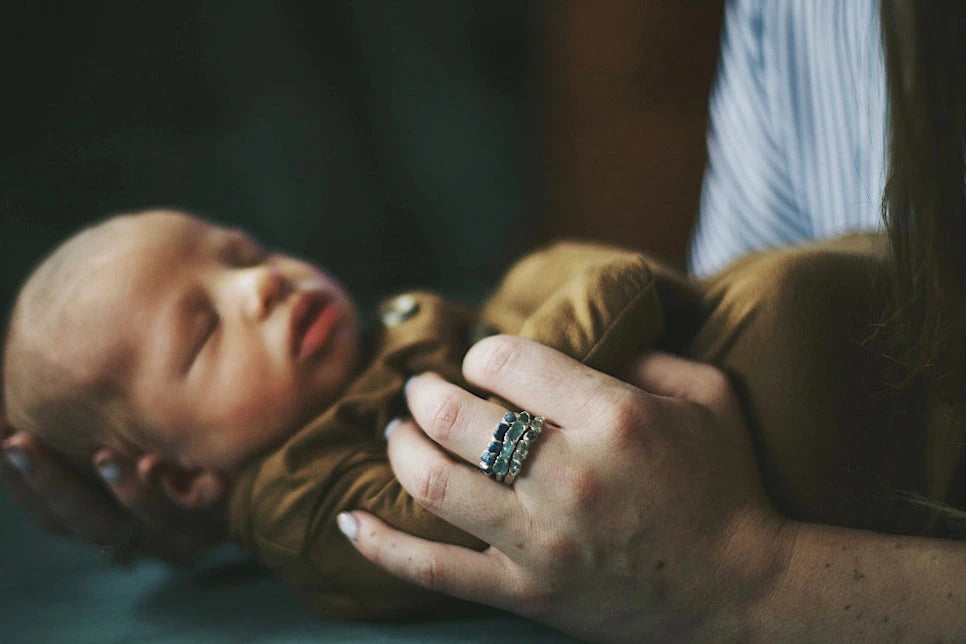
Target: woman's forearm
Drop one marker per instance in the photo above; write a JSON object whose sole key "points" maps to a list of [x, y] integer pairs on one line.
{"points": [[843, 584]]}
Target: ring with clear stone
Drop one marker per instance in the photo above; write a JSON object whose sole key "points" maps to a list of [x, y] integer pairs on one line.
{"points": [[522, 449]]}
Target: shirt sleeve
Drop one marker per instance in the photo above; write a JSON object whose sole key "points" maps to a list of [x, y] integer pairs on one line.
{"points": [[747, 199], [796, 140]]}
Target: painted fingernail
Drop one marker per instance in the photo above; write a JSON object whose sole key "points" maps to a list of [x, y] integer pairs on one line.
{"points": [[408, 384], [391, 427], [19, 459], [348, 525], [112, 472]]}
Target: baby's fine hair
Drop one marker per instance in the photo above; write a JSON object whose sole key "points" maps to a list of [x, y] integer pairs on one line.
{"points": [[74, 406]]}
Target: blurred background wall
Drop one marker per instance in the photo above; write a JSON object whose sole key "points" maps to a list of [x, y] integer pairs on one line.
{"points": [[386, 141], [398, 144], [624, 102]]}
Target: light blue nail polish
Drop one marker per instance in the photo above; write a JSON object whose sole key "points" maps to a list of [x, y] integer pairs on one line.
{"points": [[391, 427], [111, 472], [19, 460], [348, 524]]}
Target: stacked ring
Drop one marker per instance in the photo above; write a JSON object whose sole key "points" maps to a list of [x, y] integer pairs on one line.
{"points": [[510, 445], [522, 449]]}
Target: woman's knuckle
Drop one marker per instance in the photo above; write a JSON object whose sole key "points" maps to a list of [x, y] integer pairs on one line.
{"points": [[716, 381], [626, 416], [431, 484], [498, 358], [428, 572], [717, 389], [445, 414], [561, 550], [583, 488]]}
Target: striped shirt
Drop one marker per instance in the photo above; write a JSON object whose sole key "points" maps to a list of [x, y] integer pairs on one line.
{"points": [[796, 142]]}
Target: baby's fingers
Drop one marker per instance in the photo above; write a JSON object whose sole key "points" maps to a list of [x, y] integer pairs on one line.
{"points": [[482, 577]]}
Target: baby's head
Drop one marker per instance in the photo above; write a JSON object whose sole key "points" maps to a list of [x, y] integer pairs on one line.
{"points": [[175, 342]]}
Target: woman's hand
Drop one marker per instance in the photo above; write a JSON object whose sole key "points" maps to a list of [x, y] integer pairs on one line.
{"points": [[129, 519], [637, 515]]}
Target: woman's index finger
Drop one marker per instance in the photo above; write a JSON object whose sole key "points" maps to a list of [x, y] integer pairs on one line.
{"points": [[542, 380]]}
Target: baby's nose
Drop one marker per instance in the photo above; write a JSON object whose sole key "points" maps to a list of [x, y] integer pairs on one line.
{"points": [[269, 289]]}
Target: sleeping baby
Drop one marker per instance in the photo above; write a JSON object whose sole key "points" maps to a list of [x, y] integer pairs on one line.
{"points": [[228, 373]]}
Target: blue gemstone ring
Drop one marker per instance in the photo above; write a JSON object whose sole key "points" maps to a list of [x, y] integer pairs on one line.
{"points": [[510, 445]]}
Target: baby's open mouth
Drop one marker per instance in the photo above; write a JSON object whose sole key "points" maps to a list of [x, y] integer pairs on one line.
{"points": [[314, 316]]}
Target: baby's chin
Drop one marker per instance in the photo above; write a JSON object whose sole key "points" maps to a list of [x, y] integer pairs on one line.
{"points": [[333, 375]]}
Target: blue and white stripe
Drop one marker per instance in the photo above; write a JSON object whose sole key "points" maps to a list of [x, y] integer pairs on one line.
{"points": [[796, 142]]}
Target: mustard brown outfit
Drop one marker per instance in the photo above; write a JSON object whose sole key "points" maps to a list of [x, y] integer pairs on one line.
{"points": [[792, 329]]}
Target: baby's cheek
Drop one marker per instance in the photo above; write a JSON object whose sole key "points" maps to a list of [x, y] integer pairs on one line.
{"points": [[260, 411], [271, 404]]}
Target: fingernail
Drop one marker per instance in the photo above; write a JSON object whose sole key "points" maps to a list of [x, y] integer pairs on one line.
{"points": [[19, 459], [348, 525], [391, 427], [111, 472], [407, 385]]}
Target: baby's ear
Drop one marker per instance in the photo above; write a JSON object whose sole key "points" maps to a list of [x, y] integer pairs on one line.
{"points": [[191, 489]]}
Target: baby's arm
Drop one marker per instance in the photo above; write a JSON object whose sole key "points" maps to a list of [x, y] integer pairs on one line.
{"points": [[291, 507], [597, 304]]}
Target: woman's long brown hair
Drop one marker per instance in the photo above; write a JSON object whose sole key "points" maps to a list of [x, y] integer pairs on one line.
{"points": [[925, 196], [924, 207]]}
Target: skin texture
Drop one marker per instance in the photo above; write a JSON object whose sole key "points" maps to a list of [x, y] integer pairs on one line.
{"points": [[600, 535], [206, 313], [201, 317], [194, 323], [640, 515]]}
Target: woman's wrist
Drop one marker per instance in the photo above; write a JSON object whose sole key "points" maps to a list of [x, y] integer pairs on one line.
{"points": [[750, 574], [840, 583]]}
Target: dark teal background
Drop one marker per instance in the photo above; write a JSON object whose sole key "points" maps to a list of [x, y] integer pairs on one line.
{"points": [[391, 142]]}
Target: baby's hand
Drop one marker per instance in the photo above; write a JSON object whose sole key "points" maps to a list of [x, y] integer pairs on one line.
{"points": [[136, 520]]}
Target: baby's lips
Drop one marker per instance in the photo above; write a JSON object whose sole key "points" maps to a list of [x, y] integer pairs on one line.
{"points": [[307, 305], [320, 331]]}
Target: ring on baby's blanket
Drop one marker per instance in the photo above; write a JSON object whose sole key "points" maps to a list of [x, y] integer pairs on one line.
{"points": [[510, 445]]}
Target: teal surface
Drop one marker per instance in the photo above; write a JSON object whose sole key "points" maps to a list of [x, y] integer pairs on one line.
{"points": [[53, 590]]}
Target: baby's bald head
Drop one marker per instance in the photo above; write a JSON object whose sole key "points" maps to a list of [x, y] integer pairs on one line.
{"points": [[162, 334], [61, 379]]}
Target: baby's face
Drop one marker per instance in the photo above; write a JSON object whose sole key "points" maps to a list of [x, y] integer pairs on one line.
{"points": [[230, 347]]}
